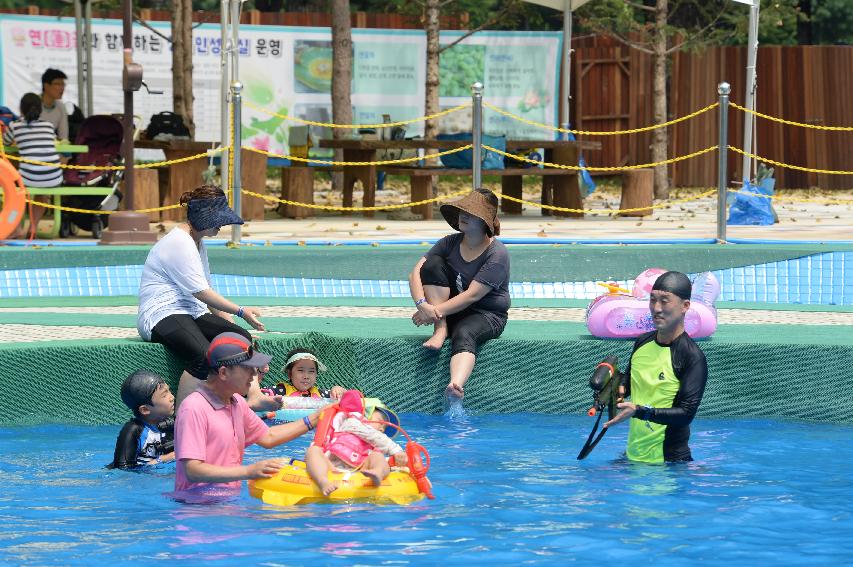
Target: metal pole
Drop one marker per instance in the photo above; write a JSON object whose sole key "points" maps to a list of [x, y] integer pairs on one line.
{"points": [[237, 101], [223, 88], [235, 39], [81, 70], [477, 134], [567, 67], [751, 87], [722, 155], [90, 65], [127, 150]]}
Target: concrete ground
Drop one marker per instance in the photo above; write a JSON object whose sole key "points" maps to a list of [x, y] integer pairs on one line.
{"points": [[825, 216]]}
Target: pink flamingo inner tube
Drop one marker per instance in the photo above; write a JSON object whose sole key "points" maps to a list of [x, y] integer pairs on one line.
{"points": [[622, 315]]}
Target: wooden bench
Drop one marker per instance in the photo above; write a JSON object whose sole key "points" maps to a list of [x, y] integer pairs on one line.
{"points": [[564, 184], [58, 193], [566, 193]]}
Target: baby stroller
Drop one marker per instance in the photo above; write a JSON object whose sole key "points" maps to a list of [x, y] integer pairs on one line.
{"points": [[103, 134]]}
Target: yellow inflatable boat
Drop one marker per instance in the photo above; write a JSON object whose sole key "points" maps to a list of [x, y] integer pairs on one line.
{"points": [[292, 485]]}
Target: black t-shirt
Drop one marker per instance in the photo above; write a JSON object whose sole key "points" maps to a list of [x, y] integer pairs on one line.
{"points": [[491, 268]]}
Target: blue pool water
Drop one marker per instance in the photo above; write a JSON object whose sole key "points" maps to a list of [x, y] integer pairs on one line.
{"points": [[508, 490]]}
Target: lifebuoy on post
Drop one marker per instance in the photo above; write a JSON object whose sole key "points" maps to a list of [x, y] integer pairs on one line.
{"points": [[14, 198]]}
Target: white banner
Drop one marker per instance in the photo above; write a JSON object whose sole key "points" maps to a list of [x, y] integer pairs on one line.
{"points": [[287, 70]]}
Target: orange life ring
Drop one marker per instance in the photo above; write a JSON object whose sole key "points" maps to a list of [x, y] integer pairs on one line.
{"points": [[14, 198]]}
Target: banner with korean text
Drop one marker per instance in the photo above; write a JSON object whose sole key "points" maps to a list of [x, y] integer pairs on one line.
{"points": [[287, 71]]}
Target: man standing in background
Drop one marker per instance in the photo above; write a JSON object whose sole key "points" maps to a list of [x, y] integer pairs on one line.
{"points": [[53, 110]]}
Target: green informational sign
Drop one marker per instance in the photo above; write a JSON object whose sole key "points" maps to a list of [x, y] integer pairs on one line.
{"points": [[514, 70], [380, 68]]}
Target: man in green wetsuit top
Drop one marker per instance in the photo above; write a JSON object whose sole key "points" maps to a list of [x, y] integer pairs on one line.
{"points": [[665, 379]]}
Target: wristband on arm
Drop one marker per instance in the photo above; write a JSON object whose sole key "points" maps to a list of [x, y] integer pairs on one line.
{"points": [[307, 423], [239, 312], [419, 301]]}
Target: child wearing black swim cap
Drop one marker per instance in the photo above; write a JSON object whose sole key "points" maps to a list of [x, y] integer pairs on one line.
{"points": [[147, 438]]}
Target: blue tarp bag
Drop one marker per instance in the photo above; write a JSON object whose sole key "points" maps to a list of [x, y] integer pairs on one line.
{"points": [[585, 182], [463, 159], [752, 209]]}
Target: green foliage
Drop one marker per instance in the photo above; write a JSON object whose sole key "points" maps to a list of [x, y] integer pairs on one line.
{"points": [[831, 21], [521, 16], [721, 22], [777, 24]]}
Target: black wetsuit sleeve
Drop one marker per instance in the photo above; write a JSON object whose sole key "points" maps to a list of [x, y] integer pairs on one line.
{"points": [[126, 446], [167, 427], [691, 369]]}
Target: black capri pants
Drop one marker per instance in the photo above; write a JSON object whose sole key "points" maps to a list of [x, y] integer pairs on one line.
{"points": [[468, 329], [189, 338]]}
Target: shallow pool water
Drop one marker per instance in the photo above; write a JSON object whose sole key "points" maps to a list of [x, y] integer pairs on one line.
{"points": [[508, 490]]}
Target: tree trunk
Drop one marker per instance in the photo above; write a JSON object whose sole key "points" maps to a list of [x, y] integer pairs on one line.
{"points": [[431, 104], [182, 62], [341, 78], [659, 136]]}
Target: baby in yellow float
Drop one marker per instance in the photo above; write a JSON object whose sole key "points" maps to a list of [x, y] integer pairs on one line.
{"points": [[347, 441]]}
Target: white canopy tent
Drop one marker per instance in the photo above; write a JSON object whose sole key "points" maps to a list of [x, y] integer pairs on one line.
{"points": [[567, 7]]}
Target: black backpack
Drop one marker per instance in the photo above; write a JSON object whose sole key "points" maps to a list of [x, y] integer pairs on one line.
{"points": [[167, 122]]}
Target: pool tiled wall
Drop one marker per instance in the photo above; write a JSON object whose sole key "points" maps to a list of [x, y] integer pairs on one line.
{"points": [[821, 279]]}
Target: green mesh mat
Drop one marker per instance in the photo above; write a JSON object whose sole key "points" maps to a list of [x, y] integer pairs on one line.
{"points": [[393, 262], [78, 382]]}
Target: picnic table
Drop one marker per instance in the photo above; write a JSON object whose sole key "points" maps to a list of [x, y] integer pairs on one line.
{"points": [[563, 183]]}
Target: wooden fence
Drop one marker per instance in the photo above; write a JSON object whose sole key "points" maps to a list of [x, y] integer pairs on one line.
{"points": [[611, 86], [611, 90], [808, 84]]}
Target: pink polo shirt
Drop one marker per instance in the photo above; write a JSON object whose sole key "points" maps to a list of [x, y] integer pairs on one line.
{"points": [[208, 430]]}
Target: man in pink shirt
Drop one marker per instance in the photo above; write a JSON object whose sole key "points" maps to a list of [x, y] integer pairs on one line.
{"points": [[214, 425]]}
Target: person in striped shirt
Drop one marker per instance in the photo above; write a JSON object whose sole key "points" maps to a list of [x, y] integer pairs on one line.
{"points": [[36, 140]]}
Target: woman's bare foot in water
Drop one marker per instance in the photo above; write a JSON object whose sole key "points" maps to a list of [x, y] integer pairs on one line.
{"points": [[454, 392], [327, 487], [436, 341]]}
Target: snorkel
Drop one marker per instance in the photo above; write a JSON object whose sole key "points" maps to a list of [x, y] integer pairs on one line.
{"points": [[605, 382]]}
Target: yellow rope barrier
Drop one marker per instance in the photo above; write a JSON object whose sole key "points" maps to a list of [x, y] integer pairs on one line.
{"points": [[116, 167], [589, 168], [356, 126], [335, 208], [663, 205], [791, 122], [589, 133], [99, 212], [789, 166], [356, 163]]}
